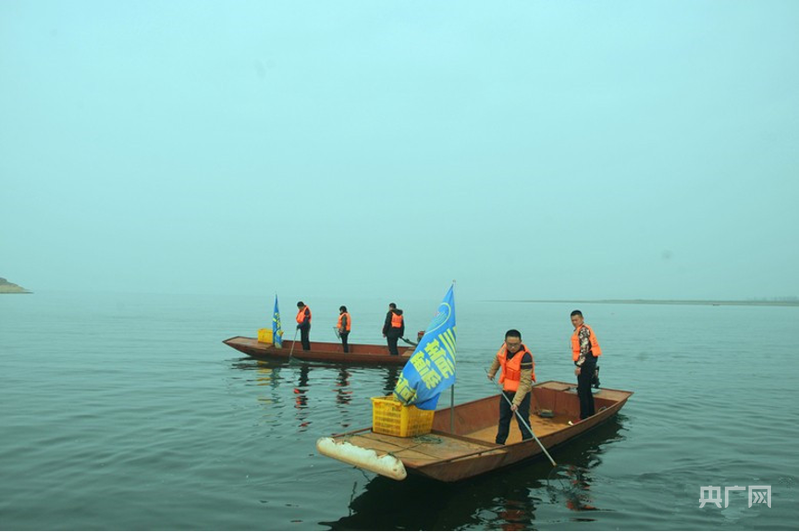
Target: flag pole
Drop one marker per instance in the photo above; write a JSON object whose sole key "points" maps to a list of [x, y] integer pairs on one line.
{"points": [[452, 391], [452, 410]]}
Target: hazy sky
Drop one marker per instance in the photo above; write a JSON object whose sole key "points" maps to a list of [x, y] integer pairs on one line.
{"points": [[527, 149]]}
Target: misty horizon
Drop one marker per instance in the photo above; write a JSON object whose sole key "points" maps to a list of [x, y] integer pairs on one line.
{"points": [[529, 151]]}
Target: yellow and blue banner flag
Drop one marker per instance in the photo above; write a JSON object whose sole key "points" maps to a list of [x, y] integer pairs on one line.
{"points": [[431, 368], [277, 331]]}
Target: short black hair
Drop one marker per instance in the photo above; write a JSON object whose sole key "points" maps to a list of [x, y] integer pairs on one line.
{"points": [[300, 304], [392, 305], [342, 307], [514, 333], [576, 313]]}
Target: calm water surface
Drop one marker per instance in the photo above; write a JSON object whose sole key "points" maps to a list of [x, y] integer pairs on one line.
{"points": [[126, 411]]}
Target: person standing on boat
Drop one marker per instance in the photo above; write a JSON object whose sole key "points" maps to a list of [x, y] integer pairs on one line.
{"points": [[304, 324], [393, 328], [344, 326], [585, 350], [517, 375]]}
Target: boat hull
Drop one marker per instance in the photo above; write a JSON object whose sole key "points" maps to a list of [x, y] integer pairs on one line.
{"points": [[359, 354]]}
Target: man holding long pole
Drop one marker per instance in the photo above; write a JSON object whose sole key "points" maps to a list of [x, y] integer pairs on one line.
{"points": [[517, 375]]}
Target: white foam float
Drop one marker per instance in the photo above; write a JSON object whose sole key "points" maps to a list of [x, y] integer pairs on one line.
{"points": [[385, 465]]}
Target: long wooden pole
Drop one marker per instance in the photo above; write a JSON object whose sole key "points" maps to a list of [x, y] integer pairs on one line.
{"points": [[292, 343]]}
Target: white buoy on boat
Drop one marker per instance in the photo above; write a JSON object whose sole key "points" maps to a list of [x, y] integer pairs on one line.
{"points": [[386, 465]]}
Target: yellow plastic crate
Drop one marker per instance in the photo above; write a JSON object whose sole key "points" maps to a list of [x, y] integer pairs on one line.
{"points": [[391, 417], [265, 336]]}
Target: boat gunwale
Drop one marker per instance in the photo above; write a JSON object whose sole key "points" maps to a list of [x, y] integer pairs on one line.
{"points": [[616, 405]]}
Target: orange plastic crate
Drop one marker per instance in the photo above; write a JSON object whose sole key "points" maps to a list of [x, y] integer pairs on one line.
{"points": [[391, 417]]}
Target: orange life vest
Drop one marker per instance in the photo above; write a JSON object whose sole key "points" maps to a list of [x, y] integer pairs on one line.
{"points": [[396, 321], [349, 321], [301, 314], [595, 350], [511, 369]]}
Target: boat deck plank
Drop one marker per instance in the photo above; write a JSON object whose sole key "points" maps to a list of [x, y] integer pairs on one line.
{"points": [[541, 427], [419, 449]]}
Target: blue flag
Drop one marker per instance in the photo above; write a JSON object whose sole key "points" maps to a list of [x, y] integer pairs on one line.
{"points": [[277, 332], [431, 369]]}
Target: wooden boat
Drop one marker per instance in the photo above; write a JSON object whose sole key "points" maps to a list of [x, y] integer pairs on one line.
{"points": [[461, 444], [321, 352]]}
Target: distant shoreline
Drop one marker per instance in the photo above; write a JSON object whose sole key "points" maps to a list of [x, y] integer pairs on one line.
{"points": [[11, 288], [710, 302]]}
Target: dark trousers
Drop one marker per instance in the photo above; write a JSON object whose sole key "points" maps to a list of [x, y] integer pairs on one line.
{"points": [[304, 333], [584, 387], [344, 343], [505, 414], [392, 344]]}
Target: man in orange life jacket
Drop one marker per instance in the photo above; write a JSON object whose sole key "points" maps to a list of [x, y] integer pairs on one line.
{"points": [[585, 350], [344, 326], [393, 328], [517, 375], [304, 324]]}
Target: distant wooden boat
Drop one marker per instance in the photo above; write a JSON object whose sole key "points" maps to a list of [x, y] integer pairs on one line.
{"points": [[372, 355], [470, 450]]}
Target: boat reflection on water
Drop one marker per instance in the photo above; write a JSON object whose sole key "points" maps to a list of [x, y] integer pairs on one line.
{"points": [[277, 374], [303, 385], [570, 483], [343, 390], [502, 500], [390, 382], [265, 374], [301, 397], [576, 489]]}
